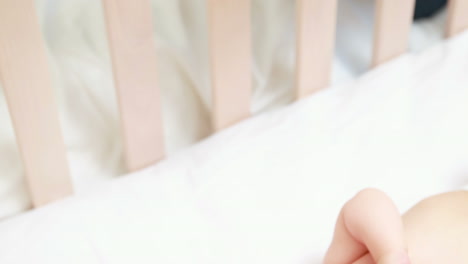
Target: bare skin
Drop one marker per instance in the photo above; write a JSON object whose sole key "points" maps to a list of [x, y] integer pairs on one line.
{"points": [[370, 230], [437, 229]]}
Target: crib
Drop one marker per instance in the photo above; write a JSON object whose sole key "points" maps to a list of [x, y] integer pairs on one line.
{"points": [[31, 99]]}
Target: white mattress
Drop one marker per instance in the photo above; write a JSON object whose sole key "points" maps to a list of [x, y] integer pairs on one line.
{"points": [[268, 190], [75, 34]]}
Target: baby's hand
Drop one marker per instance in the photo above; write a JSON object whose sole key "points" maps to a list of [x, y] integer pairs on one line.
{"points": [[369, 230]]}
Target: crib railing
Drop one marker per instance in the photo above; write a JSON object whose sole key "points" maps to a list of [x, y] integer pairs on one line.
{"points": [[130, 34], [28, 88], [457, 17], [316, 21], [27, 84], [230, 57], [392, 27]]}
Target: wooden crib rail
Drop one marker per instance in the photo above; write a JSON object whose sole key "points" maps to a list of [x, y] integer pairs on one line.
{"points": [[392, 28], [316, 22], [25, 76], [24, 73], [230, 56], [457, 19], [133, 52]]}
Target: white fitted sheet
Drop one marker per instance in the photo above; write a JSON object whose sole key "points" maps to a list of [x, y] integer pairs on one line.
{"points": [[268, 190], [75, 34]]}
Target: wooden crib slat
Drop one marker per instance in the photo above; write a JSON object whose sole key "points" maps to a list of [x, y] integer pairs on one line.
{"points": [[392, 27], [133, 52], [316, 23], [24, 73], [457, 17], [230, 54]]}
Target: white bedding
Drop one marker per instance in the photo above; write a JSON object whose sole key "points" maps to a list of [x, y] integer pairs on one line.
{"points": [[75, 35], [268, 189]]}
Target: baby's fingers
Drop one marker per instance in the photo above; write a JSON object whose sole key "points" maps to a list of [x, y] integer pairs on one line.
{"points": [[373, 220]]}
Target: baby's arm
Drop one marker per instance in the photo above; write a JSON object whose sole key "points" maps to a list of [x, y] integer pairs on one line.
{"points": [[436, 229], [368, 223]]}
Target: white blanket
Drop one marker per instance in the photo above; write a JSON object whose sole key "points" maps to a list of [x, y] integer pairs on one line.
{"points": [[268, 190]]}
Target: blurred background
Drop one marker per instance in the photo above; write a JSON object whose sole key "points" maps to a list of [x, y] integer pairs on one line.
{"points": [[76, 40]]}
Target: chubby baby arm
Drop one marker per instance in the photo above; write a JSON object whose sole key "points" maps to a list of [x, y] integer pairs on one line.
{"points": [[436, 229]]}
